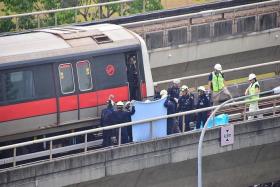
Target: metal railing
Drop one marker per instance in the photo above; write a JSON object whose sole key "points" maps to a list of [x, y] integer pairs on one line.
{"points": [[86, 145], [224, 71], [199, 152], [44, 12], [203, 14]]}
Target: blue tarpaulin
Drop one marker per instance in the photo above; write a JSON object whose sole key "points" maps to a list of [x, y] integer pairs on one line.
{"points": [[222, 119], [145, 110]]}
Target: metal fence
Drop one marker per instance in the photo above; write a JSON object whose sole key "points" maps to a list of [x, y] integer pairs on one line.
{"points": [[276, 63], [272, 109], [208, 25]]}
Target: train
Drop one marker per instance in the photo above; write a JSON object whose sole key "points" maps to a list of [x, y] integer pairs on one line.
{"points": [[52, 77]]}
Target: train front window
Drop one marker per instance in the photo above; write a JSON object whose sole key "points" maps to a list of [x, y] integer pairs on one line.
{"points": [[84, 75], [66, 78], [19, 85]]}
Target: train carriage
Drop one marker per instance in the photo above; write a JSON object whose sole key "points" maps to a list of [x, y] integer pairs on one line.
{"points": [[54, 76]]}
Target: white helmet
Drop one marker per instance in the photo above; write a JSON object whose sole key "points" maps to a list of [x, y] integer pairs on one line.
{"points": [[202, 88], [251, 76], [163, 93], [155, 84], [184, 87], [218, 67], [120, 104], [176, 81]]}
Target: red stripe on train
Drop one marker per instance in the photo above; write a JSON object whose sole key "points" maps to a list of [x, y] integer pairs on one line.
{"points": [[93, 99], [68, 103], [24, 110], [143, 90]]}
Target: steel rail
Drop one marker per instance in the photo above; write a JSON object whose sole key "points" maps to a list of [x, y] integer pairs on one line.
{"points": [[65, 9], [49, 139], [224, 71], [200, 14]]}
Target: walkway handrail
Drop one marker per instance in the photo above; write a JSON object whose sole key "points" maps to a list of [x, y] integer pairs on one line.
{"points": [[224, 71], [199, 151], [65, 9], [199, 14], [125, 124]]}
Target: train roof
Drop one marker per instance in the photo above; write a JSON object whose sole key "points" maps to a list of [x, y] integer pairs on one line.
{"points": [[63, 41]]}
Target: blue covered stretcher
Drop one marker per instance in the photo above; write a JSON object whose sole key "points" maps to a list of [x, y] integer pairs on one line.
{"points": [[145, 110]]}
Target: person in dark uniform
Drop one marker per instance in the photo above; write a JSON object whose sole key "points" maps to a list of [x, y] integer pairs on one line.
{"points": [[171, 106], [130, 111], [120, 116], [185, 103], [157, 92], [132, 77], [174, 90], [106, 120], [203, 102]]}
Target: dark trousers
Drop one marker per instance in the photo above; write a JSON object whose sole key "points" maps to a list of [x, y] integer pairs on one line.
{"points": [[187, 122], [124, 135], [107, 134], [201, 118], [170, 125], [133, 92], [129, 133]]}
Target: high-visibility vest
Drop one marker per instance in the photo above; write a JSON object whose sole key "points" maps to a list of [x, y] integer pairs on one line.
{"points": [[217, 82], [252, 91]]}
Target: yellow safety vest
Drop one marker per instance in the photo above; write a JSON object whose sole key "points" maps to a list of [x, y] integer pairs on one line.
{"points": [[217, 82], [252, 91]]}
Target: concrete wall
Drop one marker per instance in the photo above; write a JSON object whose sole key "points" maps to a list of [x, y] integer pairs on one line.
{"points": [[199, 51], [254, 158]]}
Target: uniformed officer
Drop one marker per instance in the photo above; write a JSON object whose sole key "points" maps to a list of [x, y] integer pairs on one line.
{"points": [[171, 106], [202, 102], [132, 77], [130, 111], [185, 103], [254, 88], [174, 90], [157, 92], [106, 120], [120, 116], [216, 84]]}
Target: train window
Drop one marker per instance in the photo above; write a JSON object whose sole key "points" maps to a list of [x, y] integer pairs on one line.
{"points": [[66, 78], [84, 75], [19, 85]]}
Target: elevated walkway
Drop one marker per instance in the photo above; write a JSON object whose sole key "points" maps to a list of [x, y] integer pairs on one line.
{"points": [[253, 158]]}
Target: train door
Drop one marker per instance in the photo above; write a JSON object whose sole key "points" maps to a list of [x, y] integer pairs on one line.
{"points": [[133, 76], [87, 94], [66, 92]]}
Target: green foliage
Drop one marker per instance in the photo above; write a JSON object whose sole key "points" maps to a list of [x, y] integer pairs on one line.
{"points": [[24, 6], [7, 25], [150, 5]]}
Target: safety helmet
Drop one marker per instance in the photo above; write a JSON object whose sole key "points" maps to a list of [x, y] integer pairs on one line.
{"points": [[176, 81], [218, 67], [120, 104], [202, 88], [127, 103], [163, 92], [155, 84], [184, 87], [251, 76]]}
